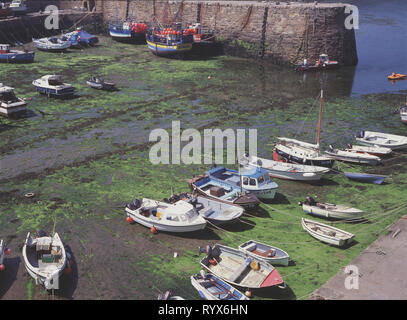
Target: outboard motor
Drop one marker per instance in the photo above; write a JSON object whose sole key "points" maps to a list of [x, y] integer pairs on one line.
{"points": [[134, 205], [41, 233], [310, 201], [331, 147], [164, 296], [360, 134], [207, 249], [349, 145]]}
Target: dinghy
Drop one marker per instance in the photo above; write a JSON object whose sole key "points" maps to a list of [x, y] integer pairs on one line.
{"points": [[270, 254], [387, 140], [52, 44], [3, 252], [52, 86], [374, 150], [365, 177], [353, 157], [329, 210], [323, 63], [255, 180], [214, 211], [100, 84], [167, 295], [211, 188], [177, 217], [284, 170], [15, 56], [10, 105], [127, 31], [80, 37], [327, 234], [45, 259], [403, 114], [396, 76], [211, 287], [240, 269]]}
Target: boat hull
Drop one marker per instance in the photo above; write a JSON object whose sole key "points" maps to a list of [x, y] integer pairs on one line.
{"points": [[166, 50], [13, 110], [65, 93], [308, 162], [367, 178], [17, 57], [354, 159], [319, 212]]}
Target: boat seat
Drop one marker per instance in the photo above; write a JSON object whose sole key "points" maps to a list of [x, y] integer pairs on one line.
{"points": [[239, 270], [251, 247], [206, 211]]}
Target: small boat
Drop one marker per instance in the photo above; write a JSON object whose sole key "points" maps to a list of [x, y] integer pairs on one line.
{"points": [[45, 259], [387, 140], [80, 37], [396, 76], [167, 295], [353, 157], [15, 56], [322, 63], [100, 84], [329, 210], [211, 287], [3, 252], [403, 114], [52, 86], [327, 234], [374, 150], [211, 188], [18, 7], [177, 217], [285, 170], [365, 177], [270, 254], [239, 268], [212, 210], [127, 31], [52, 44], [10, 105], [255, 180]]}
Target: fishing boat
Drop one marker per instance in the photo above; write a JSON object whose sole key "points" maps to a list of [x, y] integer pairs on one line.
{"points": [[353, 157], [403, 114], [210, 287], [167, 295], [52, 44], [177, 217], [214, 211], [322, 63], [239, 268], [209, 187], [80, 37], [199, 34], [15, 56], [100, 84], [329, 210], [3, 252], [45, 259], [396, 76], [127, 31], [255, 181], [327, 234], [18, 7], [10, 105], [285, 170], [380, 139], [374, 150], [270, 254], [365, 177], [52, 86]]}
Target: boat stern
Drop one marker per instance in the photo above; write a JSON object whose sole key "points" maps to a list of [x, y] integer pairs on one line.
{"points": [[273, 279]]}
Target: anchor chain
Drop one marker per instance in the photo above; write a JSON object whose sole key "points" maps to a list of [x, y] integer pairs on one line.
{"points": [[263, 33]]}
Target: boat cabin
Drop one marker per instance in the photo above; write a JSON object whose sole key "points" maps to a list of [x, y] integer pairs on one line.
{"points": [[4, 48], [255, 178], [179, 211], [47, 252], [53, 80], [7, 95], [323, 58]]}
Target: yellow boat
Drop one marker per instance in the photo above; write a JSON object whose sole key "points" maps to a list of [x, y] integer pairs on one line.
{"points": [[397, 76]]}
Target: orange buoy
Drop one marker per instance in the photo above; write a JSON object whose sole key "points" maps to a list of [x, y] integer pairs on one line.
{"points": [[248, 293], [7, 251], [153, 230], [68, 270], [2, 267], [209, 77], [129, 219]]}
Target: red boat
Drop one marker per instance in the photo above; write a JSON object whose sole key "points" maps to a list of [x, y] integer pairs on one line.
{"points": [[322, 63]]}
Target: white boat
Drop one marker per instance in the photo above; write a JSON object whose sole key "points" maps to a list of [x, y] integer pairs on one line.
{"points": [[387, 140], [52, 86], [327, 234], [211, 287], [167, 295], [374, 150], [403, 114], [285, 170], [10, 105], [270, 254], [350, 156], [329, 210], [52, 44], [18, 7], [239, 268], [45, 259], [178, 217], [214, 211]]}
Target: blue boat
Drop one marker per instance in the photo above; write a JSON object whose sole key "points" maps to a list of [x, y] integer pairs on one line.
{"points": [[365, 177], [52, 86], [127, 31], [256, 181], [81, 37], [15, 56]]}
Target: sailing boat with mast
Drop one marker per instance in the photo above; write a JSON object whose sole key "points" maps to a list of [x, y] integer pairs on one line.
{"points": [[297, 151]]}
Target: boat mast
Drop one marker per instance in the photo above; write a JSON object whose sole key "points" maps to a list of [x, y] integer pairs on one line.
{"points": [[320, 119]]}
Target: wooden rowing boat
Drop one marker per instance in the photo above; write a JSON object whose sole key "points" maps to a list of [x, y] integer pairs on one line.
{"points": [[270, 254]]}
